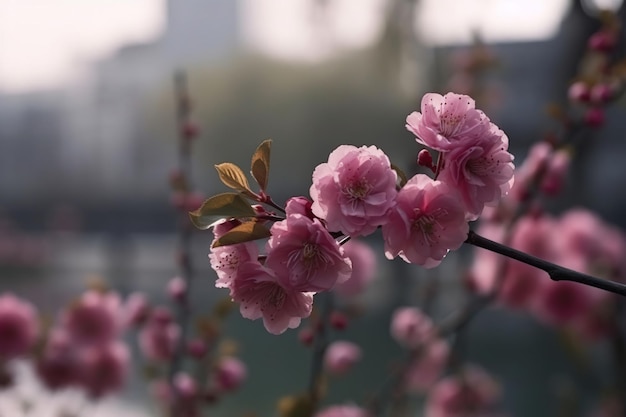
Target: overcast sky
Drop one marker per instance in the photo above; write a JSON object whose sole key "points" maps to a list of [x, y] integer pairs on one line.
{"points": [[44, 42]]}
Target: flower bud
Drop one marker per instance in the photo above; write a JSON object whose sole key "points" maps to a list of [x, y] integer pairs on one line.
{"points": [[341, 356], [177, 289], [230, 374], [594, 117], [579, 91], [410, 327]]}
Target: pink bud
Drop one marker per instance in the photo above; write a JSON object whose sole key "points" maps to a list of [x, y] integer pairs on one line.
{"points": [[306, 336], [594, 117], [338, 320], [579, 91], [136, 309], [601, 93], [410, 327], [230, 374], [602, 41], [189, 130], [194, 201], [177, 289], [197, 348], [341, 356], [185, 385], [425, 159], [552, 181]]}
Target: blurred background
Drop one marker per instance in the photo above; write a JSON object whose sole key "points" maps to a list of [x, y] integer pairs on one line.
{"points": [[88, 138]]}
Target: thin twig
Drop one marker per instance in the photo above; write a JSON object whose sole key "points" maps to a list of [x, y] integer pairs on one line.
{"points": [[556, 272]]}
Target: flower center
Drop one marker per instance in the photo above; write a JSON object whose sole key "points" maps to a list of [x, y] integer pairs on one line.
{"points": [[428, 224], [357, 190], [275, 297]]}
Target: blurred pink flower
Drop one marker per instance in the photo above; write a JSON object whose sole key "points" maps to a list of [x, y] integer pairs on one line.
{"points": [[363, 260], [104, 368], [446, 121], [19, 327], [58, 366], [304, 256], [343, 411], [136, 309], [260, 295], [481, 170], [410, 327], [561, 303], [556, 170], [471, 394], [94, 319], [341, 356], [354, 190], [427, 221], [230, 373], [428, 367], [158, 337], [535, 162]]}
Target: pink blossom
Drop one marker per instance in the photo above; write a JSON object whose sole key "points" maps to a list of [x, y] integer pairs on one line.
{"points": [[19, 327], [58, 366], [343, 411], [261, 296], [471, 394], [561, 303], [428, 367], [354, 190], [482, 171], [158, 338], [230, 374], [341, 356], [427, 221], [177, 289], [136, 309], [589, 245], [535, 162], [523, 283], [186, 387], [299, 205], [225, 261], [363, 260], [94, 319], [552, 181], [304, 256], [446, 121], [410, 327], [104, 368]]}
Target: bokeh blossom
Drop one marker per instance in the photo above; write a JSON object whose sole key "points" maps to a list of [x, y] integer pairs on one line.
{"points": [[19, 327]]}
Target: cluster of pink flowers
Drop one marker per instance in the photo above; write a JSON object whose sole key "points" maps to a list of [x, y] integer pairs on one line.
{"points": [[358, 191], [577, 239], [414, 330], [84, 348]]}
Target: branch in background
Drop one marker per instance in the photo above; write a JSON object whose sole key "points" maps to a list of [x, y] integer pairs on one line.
{"points": [[186, 132], [556, 272]]}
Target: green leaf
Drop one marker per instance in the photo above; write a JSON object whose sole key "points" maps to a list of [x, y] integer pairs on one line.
{"points": [[232, 176], [221, 206], [245, 232], [401, 175], [260, 166]]}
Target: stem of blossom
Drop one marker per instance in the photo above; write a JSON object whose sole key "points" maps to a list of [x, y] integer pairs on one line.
{"points": [[184, 239], [320, 343], [556, 272]]}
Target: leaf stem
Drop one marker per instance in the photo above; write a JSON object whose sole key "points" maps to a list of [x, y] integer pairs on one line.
{"points": [[556, 272]]}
